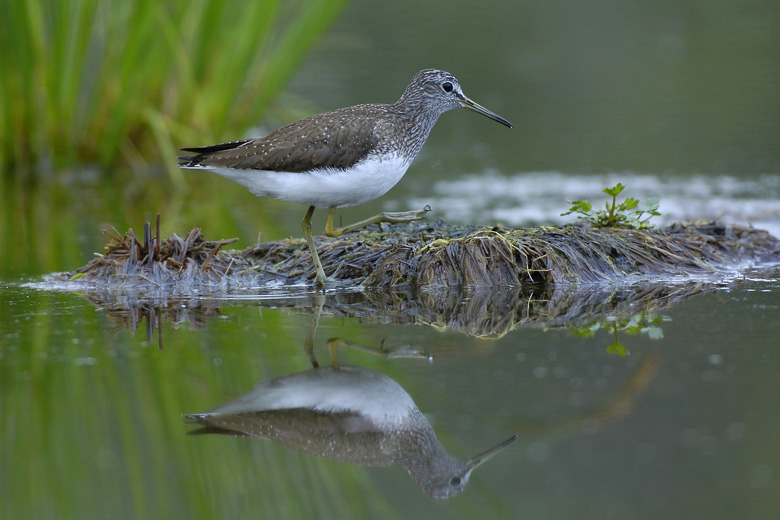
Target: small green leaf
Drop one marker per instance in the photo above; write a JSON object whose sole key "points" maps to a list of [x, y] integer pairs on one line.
{"points": [[614, 191], [629, 203], [579, 206], [654, 332], [632, 221], [617, 348], [586, 331]]}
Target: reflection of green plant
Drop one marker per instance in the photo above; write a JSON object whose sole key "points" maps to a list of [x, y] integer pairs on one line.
{"points": [[627, 214], [639, 323], [120, 82]]}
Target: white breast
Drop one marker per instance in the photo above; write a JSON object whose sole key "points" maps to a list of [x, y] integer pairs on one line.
{"points": [[327, 187]]}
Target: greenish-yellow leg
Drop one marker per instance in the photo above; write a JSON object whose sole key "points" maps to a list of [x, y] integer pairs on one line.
{"points": [[308, 344], [399, 217], [319, 279]]}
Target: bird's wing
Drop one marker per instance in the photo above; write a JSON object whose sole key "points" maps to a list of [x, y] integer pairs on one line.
{"points": [[335, 139]]}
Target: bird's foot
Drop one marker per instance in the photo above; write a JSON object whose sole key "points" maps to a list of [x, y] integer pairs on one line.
{"points": [[402, 217], [389, 217], [321, 281]]}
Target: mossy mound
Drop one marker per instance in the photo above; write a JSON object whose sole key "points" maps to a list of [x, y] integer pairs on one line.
{"points": [[424, 255]]}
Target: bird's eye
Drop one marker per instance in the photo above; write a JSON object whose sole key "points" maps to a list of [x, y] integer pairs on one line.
{"points": [[455, 480], [446, 86]]}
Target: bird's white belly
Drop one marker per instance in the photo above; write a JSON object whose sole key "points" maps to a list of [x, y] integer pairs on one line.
{"points": [[360, 391], [326, 187]]}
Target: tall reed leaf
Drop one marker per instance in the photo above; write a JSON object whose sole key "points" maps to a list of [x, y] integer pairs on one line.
{"points": [[112, 83]]}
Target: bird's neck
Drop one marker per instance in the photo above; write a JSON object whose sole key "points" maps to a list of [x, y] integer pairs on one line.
{"points": [[421, 119], [416, 109]]}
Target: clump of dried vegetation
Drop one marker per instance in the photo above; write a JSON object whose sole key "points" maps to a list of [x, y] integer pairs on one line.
{"points": [[431, 255]]}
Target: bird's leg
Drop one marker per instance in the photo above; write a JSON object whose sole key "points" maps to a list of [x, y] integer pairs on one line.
{"points": [[308, 344], [319, 279], [332, 344], [395, 217]]}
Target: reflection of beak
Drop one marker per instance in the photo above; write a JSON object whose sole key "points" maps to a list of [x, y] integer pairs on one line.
{"points": [[476, 460], [476, 107]]}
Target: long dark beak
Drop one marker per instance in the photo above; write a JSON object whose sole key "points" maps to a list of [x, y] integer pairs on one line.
{"points": [[476, 460], [479, 109]]}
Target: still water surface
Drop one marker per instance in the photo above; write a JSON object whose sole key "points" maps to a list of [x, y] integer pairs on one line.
{"points": [[679, 420]]}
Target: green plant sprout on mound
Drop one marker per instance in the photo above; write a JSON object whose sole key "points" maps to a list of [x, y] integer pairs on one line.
{"points": [[629, 214]]}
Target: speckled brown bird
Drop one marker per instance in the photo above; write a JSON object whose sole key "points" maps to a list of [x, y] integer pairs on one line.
{"points": [[341, 158]]}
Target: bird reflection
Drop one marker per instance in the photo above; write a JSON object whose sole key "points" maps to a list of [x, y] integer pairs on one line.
{"points": [[350, 414]]}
